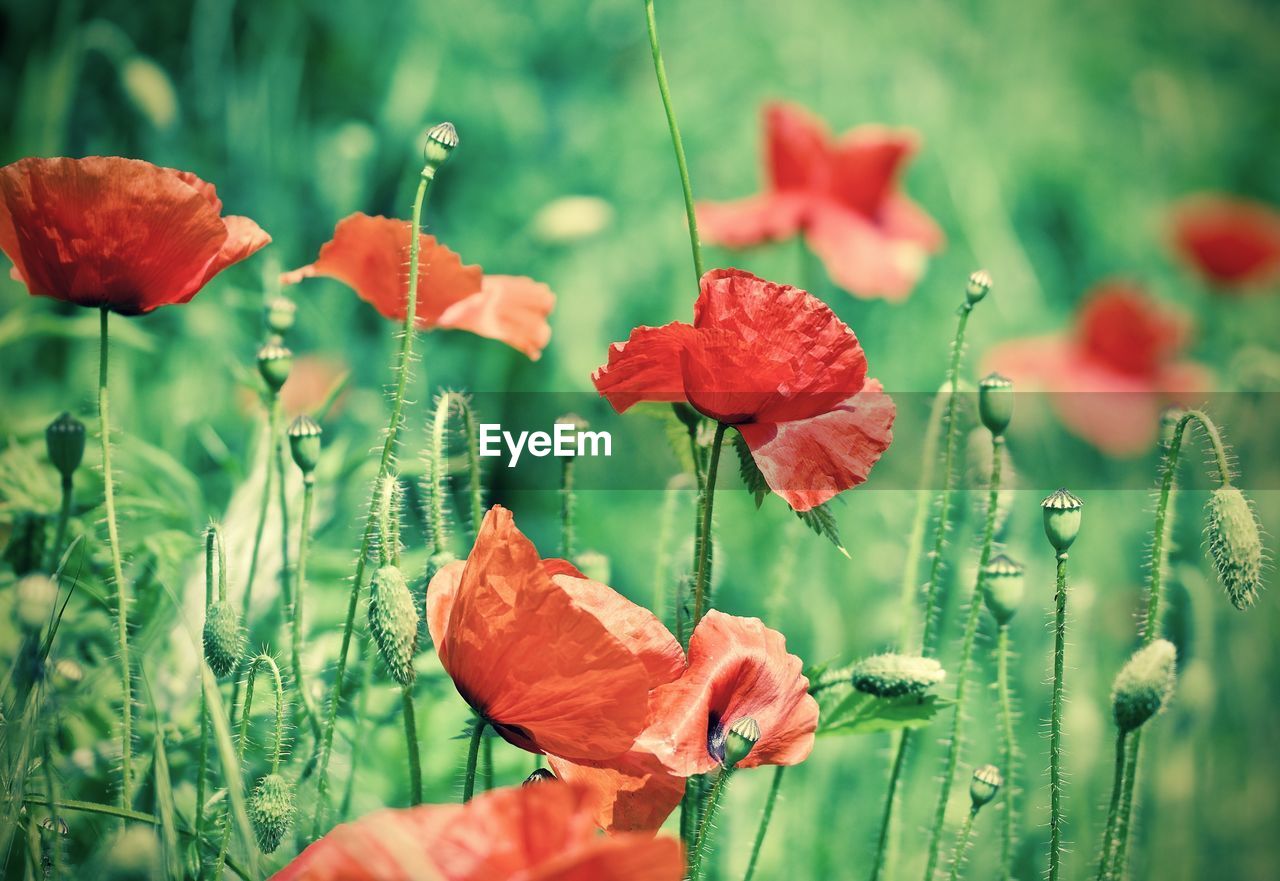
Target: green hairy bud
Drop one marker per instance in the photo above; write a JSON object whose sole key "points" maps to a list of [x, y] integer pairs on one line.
{"points": [[1144, 684], [986, 782], [1003, 587], [223, 638], [890, 675], [393, 620], [1235, 544], [271, 811]]}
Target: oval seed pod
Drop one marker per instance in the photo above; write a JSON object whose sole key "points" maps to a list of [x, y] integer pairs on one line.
{"points": [[978, 287], [271, 811], [304, 443], [1003, 587], [995, 403], [441, 141], [890, 675], [223, 638], [1235, 544], [1062, 519], [986, 782], [1144, 684], [274, 363], [64, 440], [279, 314], [741, 740], [539, 775], [393, 620]]}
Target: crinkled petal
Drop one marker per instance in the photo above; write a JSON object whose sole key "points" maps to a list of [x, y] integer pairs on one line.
{"points": [[745, 223], [388, 845], [1230, 241], [861, 256], [646, 367], [809, 461], [509, 308], [244, 239], [634, 792]]}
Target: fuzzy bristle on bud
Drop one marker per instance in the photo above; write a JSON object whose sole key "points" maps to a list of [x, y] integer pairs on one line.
{"points": [[995, 403], [304, 443], [274, 363], [539, 775], [441, 141], [393, 621], [1062, 514], [1003, 587], [279, 314], [984, 785], [271, 811], [741, 740], [1144, 684], [64, 440], [1235, 544], [891, 675], [223, 638], [978, 287]]}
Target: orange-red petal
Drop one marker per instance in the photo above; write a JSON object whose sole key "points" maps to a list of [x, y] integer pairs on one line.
{"points": [[865, 165], [511, 309], [647, 367], [797, 148], [1230, 241], [744, 223], [863, 256], [634, 792]]}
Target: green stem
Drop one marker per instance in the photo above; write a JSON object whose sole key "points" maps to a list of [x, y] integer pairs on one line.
{"points": [[765, 817], [263, 507], [1055, 720], [1113, 809], [295, 613], [384, 466], [910, 584], [677, 144], [1008, 749], [956, 739], [362, 712], [1125, 817], [962, 843], [886, 819], [707, 824], [64, 517], [567, 504], [117, 571], [411, 739], [473, 755], [212, 549], [51, 783], [473, 467], [702, 571]]}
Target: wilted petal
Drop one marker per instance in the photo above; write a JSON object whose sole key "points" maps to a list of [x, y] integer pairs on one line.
{"points": [[511, 309], [861, 256], [646, 367]]}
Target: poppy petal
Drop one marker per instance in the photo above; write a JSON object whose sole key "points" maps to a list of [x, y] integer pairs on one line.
{"points": [[634, 792], [863, 258], [511, 309], [809, 461], [797, 151], [618, 858], [244, 239], [865, 165], [646, 367], [745, 223], [1229, 241]]}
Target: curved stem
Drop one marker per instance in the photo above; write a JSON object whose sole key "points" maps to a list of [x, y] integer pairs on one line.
{"points": [[1055, 720], [707, 824], [962, 844], [956, 739], [295, 613], [677, 144], [384, 466], [1007, 749], [765, 817], [411, 739], [1125, 817], [1113, 809], [886, 819], [117, 571], [702, 572], [473, 755]]}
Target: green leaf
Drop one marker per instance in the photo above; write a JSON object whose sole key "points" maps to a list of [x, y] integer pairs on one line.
{"points": [[858, 713], [165, 807], [750, 471], [822, 521]]}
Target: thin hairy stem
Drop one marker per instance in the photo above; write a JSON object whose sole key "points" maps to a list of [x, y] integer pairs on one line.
{"points": [[1055, 720], [1125, 818], [264, 506], [962, 844], [212, 557], [567, 504], [1008, 749], [411, 740], [1113, 809], [295, 612], [765, 817], [473, 756], [64, 517], [702, 569], [910, 584], [707, 823]]}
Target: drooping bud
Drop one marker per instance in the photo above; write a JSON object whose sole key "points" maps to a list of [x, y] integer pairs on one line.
{"points": [[979, 286], [65, 440], [441, 140], [540, 775], [891, 675], [393, 621], [741, 740], [1061, 519], [271, 811], [1235, 544], [986, 782], [34, 597], [304, 444], [1144, 684], [223, 638], [995, 403], [1003, 585], [279, 314], [274, 363]]}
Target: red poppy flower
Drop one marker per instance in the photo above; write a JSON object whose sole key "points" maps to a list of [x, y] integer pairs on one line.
{"points": [[371, 254], [531, 833], [1232, 243], [552, 667], [1113, 375], [778, 365], [738, 669], [116, 233], [842, 195]]}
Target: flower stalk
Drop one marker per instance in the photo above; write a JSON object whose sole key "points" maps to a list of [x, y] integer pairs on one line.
{"points": [[765, 817], [702, 567], [473, 756]]}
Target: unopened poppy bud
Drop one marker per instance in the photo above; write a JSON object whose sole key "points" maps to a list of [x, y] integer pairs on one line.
{"points": [[742, 738], [995, 403], [986, 782], [304, 443], [1144, 684], [441, 139], [890, 675], [1061, 519], [540, 775], [280, 313], [393, 620], [223, 638], [1003, 586], [1235, 544], [1169, 420], [65, 439], [34, 596], [271, 811], [979, 286], [274, 363]]}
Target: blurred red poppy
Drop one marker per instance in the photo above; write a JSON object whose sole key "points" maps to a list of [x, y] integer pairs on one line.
{"points": [[738, 669], [843, 195], [531, 833], [1233, 243], [778, 365], [1112, 376], [371, 254], [117, 233], [554, 668]]}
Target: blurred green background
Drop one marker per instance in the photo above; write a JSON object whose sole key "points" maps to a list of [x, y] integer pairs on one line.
{"points": [[1055, 137]]}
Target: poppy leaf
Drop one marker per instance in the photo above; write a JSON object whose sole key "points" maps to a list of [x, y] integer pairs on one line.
{"points": [[820, 519], [750, 471], [858, 713]]}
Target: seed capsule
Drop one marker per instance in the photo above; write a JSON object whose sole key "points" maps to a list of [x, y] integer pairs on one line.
{"points": [[393, 620], [223, 638], [1062, 519], [1004, 585], [441, 141], [742, 738], [1144, 684], [540, 775], [986, 782], [891, 675], [995, 403], [64, 439], [979, 286], [274, 363], [279, 314], [271, 811], [1235, 544], [304, 444]]}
